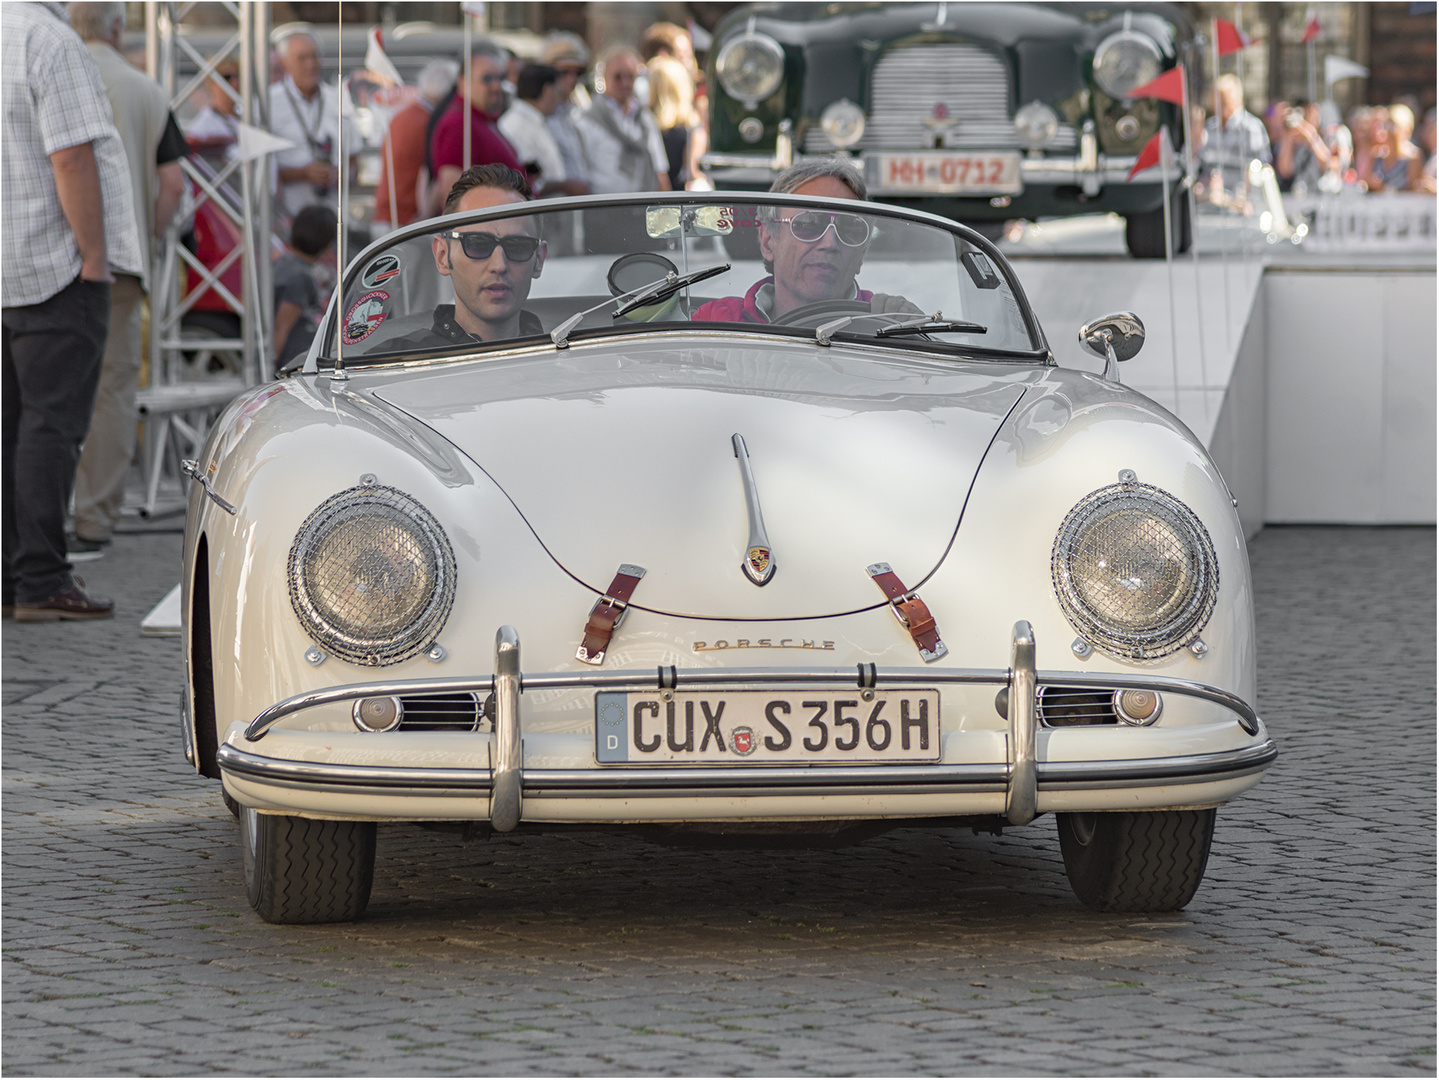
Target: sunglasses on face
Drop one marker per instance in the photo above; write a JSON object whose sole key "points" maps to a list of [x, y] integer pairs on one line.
{"points": [[810, 225], [481, 245]]}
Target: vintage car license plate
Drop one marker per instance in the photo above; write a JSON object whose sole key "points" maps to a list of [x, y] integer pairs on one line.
{"points": [[765, 727], [949, 172]]}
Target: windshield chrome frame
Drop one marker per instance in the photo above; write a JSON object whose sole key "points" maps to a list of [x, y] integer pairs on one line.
{"points": [[729, 197]]}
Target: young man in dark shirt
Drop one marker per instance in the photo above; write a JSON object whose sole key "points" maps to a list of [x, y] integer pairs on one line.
{"points": [[491, 264], [298, 307]]}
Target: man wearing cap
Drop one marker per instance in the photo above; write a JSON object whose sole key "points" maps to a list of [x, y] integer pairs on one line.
{"points": [[567, 54]]}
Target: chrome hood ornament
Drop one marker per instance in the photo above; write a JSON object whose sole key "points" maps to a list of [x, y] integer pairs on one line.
{"points": [[758, 564]]}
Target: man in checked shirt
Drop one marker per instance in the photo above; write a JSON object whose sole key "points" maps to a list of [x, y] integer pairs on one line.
{"points": [[68, 221]]}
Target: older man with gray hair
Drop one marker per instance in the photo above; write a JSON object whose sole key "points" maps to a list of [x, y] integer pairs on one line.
{"points": [[812, 255], [403, 152], [304, 110]]}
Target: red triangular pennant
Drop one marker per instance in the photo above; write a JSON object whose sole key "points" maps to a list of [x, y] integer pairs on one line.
{"points": [[1168, 87], [1148, 157], [1228, 38], [1312, 29]]}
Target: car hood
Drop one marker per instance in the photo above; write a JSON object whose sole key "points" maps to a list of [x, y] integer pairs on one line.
{"points": [[621, 453]]}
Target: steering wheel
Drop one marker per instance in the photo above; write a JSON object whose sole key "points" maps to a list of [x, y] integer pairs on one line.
{"points": [[806, 312]]}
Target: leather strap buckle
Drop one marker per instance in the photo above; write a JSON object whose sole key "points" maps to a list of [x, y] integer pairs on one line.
{"points": [[607, 614], [912, 612]]}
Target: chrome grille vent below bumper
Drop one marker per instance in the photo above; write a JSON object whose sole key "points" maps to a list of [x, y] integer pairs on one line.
{"points": [[1068, 706], [444, 712], [970, 82]]}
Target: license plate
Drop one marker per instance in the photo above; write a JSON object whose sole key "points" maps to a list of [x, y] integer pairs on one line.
{"points": [[950, 173], [762, 727]]}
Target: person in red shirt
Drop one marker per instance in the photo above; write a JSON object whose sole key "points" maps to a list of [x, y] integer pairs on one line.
{"points": [[484, 101], [405, 147]]}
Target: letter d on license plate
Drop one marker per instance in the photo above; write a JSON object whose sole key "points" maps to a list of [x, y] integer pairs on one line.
{"points": [[757, 727]]}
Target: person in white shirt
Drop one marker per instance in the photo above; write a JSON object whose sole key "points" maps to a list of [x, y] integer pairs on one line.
{"points": [[524, 124], [304, 110], [621, 138]]}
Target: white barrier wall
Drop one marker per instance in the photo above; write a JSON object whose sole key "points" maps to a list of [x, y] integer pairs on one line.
{"points": [[1349, 373]]}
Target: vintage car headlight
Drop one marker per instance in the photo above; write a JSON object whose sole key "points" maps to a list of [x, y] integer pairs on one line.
{"points": [[1135, 571], [750, 67], [843, 123], [1036, 124], [1124, 61], [372, 575]]}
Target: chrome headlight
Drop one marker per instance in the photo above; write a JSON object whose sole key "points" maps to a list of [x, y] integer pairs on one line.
{"points": [[843, 123], [750, 67], [1036, 124], [1135, 571], [372, 576], [1124, 61]]}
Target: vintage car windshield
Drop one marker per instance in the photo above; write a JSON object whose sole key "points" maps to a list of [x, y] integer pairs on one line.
{"points": [[839, 270]]}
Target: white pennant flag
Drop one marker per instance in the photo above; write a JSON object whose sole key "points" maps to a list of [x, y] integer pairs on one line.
{"points": [[255, 142], [378, 63], [1339, 67]]}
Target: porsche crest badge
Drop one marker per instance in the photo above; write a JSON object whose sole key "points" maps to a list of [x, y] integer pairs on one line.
{"points": [[759, 565]]}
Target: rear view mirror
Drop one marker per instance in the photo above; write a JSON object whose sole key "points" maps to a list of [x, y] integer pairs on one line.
{"points": [[662, 222]]}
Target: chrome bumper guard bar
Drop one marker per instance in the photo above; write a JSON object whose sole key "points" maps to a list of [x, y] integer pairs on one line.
{"points": [[507, 781]]}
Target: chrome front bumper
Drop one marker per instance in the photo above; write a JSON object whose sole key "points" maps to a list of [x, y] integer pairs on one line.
{"points": [[1091, 175], [507, 783]]}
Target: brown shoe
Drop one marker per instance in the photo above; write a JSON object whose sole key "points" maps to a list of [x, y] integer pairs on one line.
{"points": [[71, 603]]}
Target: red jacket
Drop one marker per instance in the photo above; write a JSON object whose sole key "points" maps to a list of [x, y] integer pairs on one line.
{"points": [[743, 308]]}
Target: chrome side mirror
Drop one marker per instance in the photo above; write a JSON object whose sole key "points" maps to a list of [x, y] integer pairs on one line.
{"points": [[1116, 338]]}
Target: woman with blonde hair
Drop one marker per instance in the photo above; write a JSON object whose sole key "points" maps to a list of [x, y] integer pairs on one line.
{"points": [[672, 100], [1397, 165]]}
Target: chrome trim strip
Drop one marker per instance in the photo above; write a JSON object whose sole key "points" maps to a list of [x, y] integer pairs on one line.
{"points": [[1142, 772], [684, 678], [1020, 802], [757, 549], [330, 775], [506, 762]]}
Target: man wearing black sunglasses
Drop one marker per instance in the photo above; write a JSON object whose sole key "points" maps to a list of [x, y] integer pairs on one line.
{"points": [[812, 255], [491, 264]]}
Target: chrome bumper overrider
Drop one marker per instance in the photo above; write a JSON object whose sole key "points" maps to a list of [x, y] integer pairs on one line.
{"points": [[507, 782]]}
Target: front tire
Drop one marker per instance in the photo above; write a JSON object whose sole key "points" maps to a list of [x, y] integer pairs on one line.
{"points": [[1145, 861], [1144, 233], [300, 870]]}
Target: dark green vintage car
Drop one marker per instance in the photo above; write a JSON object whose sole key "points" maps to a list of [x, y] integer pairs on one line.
{"points": [[980, 112]]}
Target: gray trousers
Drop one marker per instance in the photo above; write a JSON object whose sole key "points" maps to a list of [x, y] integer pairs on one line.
{"points": [[110, 443], [51, 368]]}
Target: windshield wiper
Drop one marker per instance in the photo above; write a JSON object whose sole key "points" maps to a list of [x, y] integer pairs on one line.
{"points": [[931, 325], [667, 287], [662, 289]]}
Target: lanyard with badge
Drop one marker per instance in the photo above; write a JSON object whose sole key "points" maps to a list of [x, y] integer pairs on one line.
{"points": [[320, 149]]}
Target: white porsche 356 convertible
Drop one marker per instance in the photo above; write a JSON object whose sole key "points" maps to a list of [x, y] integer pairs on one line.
{"points": [[668, 512]]}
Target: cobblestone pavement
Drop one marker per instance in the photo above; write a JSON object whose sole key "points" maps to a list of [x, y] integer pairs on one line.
{"points": [[129, 947]]}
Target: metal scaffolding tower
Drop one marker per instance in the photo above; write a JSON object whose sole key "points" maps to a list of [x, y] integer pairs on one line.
{"points": [[239, 190]]}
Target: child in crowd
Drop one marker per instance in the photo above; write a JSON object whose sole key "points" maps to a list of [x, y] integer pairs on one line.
{"points": [[298, 305]]}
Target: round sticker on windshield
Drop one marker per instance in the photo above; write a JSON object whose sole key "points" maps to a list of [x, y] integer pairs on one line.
{"points": [[365, 317], [379, 271]]}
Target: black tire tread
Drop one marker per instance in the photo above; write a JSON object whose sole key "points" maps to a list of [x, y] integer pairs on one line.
{"points": [[1145, 861], [312, 871], [1144, 232]]}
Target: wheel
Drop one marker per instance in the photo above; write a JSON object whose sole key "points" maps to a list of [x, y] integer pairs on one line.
{"points": [[1144, 233], [1146, 861], [821, 308], [230, 804], [299, 870]]}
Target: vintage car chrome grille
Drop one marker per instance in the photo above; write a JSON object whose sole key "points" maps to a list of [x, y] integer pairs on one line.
{"points": [[1135, 571], [372, 576], [970, 82], [1072, 706], [443, 712]]}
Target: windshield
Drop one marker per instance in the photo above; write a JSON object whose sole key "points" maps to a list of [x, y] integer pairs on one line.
{"points": [[830, 269]]}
